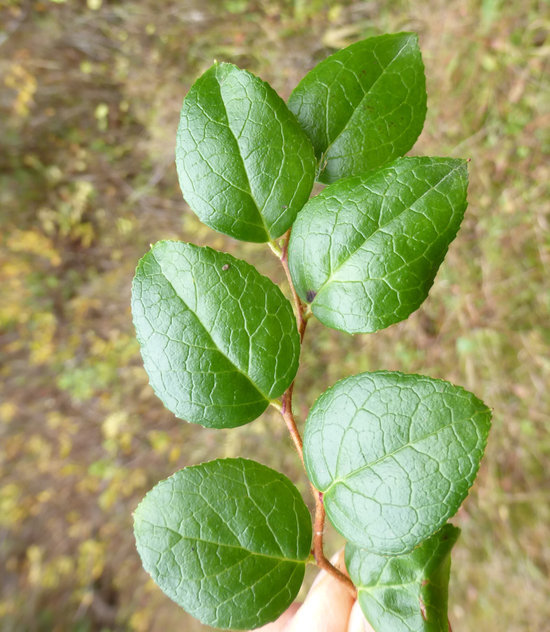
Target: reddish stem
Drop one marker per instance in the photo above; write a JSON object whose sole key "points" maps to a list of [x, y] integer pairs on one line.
{"points": [[298, 305], [318, 554], [288, 416], [286, 411]]}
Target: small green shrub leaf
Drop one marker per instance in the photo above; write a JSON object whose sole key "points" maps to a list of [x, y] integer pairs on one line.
{"points": [[363, 106], [218, 339], [395, 455], [226, 540], [407, 593], [365, 251], [245, 166]]}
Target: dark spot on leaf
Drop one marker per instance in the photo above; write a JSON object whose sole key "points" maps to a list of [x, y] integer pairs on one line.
{"points": [[310, 295], [225, 267], [285, 206]]}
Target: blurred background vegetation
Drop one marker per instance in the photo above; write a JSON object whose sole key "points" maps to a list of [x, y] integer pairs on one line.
{"points": [[89, 106]]}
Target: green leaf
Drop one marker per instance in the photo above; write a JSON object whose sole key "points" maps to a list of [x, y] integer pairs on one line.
{"points": [[363, 106], [407, 593], [245, 166], [395, 455], [366, 250], [218, 339], [226, 540]]}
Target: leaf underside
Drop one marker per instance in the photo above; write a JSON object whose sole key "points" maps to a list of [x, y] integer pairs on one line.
{"points": [[395, 456], [245, 166], [365, 251], [406, 593], [218, 339], [364, 105], [227, 540]]}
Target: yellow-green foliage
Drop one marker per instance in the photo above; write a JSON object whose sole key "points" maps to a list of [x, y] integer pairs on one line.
{"points": [[90, 102]]}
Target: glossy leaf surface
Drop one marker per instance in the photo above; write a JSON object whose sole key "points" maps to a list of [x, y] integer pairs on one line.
{"points": [[395, 456], [245, 166], [218, 339], [406, 593], [226, 540], [365, 251], [363, 106]]}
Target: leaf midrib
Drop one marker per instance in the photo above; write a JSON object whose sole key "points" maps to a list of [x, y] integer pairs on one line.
{"points": [[380, 587], [225, 545], [215, 345], [249, 192], [409, 444], [333, 273], [367, 93]]}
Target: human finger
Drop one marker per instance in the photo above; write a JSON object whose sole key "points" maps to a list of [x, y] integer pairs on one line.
{"points": [[327, 606]]}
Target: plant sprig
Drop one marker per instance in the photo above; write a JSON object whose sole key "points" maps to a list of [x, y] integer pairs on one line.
{"points": [[390, 457]]}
